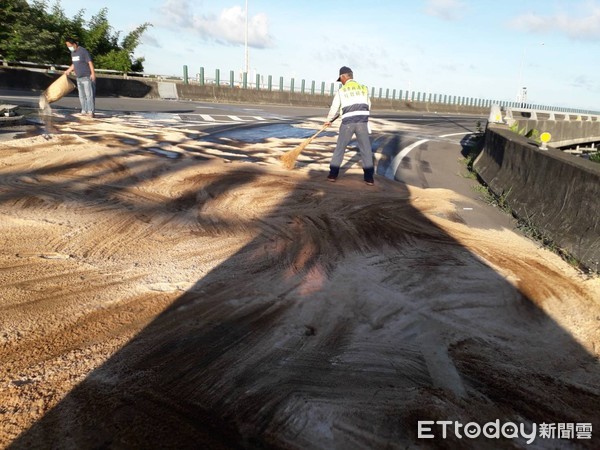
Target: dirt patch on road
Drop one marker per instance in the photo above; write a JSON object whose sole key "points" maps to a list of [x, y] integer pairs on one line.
{"points": [[161, 290]]}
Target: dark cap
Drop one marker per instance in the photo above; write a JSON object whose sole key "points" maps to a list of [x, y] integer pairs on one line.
{"points": [[344, 70]]}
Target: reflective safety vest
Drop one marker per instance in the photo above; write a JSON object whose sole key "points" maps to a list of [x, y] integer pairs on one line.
{"points": [[352, 102]]}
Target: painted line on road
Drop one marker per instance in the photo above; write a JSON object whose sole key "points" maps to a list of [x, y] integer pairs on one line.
{"points": [[392, 169], [391, 172], [454, 134]]}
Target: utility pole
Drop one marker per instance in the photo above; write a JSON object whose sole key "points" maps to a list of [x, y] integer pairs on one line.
{"points": [[246, 63], [522, 92]]}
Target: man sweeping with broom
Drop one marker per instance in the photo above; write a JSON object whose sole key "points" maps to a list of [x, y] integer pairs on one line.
{"points": [[351, 102]]}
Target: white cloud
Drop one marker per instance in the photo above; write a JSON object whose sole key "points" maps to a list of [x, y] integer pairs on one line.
{"points": [[176, 13], [228, 27], [584, 26], [444, 9]]}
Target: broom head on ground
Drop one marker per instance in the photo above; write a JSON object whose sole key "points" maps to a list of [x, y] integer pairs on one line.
{"points": [[289, 158]]}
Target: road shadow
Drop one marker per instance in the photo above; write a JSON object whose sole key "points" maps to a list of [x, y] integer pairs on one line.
{"points": [[346, 318]]}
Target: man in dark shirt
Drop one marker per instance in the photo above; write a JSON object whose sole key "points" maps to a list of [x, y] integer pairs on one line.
{"points": [[83, 67]]}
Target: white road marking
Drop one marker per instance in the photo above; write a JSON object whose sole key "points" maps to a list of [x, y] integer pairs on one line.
{"points": [[454, 134], [227, 118], [391, 172]]}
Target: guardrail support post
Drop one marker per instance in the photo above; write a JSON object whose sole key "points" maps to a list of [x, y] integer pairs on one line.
{"points": [[322, 88], [292, 85], [201, 75], [257, 82], [218, 77], [280, 84], [231, 78], [270, 83], [245, 80], [185, 74], [312, 87]]}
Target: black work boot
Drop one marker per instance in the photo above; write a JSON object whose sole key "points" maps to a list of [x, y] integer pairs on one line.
{"points": [[333, 173], [369, 176]]}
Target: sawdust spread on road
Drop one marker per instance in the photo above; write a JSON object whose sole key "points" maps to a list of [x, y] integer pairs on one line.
{"points": [[159, 288]]}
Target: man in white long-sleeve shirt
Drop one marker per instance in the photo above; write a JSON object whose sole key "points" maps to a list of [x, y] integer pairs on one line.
{"points": [[353, 104]]}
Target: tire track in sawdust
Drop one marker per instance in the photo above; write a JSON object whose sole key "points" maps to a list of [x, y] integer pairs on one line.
{"points": [[61, 294], [67, 332], [37, 372]]}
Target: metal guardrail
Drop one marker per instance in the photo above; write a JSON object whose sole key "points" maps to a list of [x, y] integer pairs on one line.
{"points": [[52, 68]]}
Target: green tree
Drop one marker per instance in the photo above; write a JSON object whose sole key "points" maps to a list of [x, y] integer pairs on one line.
{"points": [[102, 42], [23, 27], [33, 31]]}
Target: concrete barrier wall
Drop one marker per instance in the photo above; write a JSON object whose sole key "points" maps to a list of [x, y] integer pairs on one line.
{"points": [[225, 94], [559, 194], [106, 86]]}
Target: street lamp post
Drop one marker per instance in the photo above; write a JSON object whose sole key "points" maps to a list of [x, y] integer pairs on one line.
{"points": [[246, 59]]}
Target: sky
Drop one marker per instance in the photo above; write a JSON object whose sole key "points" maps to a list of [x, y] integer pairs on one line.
{"points": [[475, 48]]}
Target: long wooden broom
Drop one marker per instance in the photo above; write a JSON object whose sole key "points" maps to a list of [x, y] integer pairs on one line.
{"points": [[289, 158]]}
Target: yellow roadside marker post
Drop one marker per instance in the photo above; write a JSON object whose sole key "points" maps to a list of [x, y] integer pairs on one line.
{"points": [[545, 138]]}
